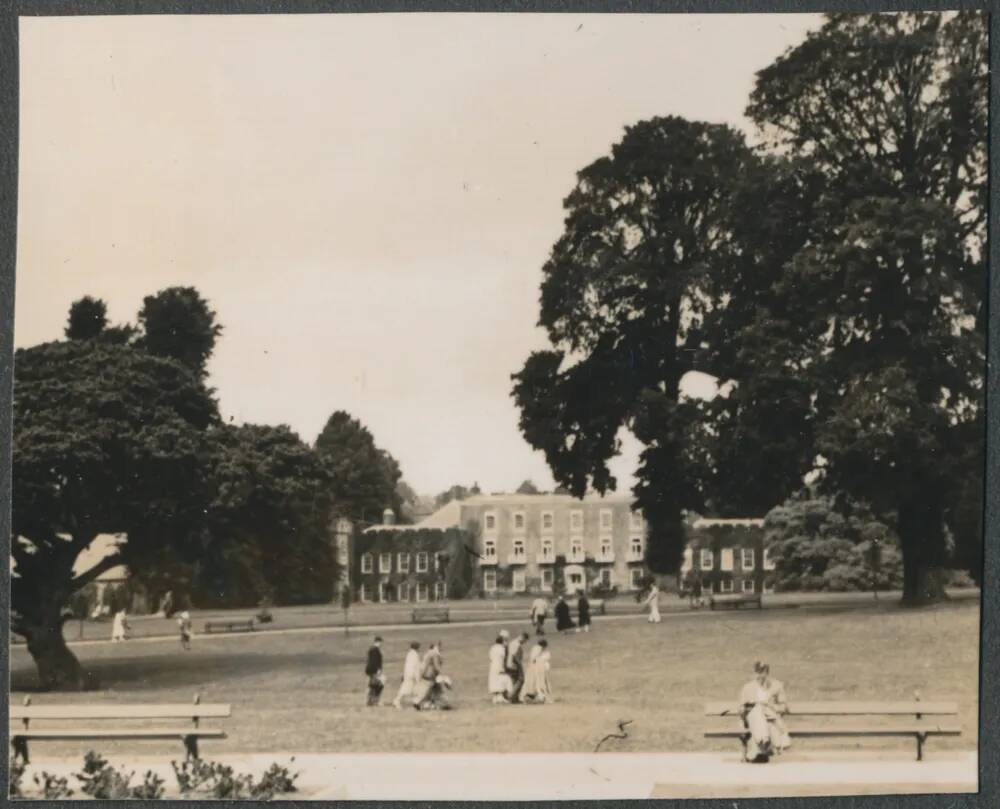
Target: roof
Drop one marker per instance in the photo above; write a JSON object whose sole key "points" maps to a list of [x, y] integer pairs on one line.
{"points": [[543, 499], [711, 522]]}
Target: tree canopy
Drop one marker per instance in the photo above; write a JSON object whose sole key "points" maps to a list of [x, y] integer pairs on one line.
{"points": [[178, 323], [87, 318]]}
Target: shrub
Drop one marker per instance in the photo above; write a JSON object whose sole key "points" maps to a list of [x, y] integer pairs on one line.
{"points": [[15, 774], [52, 787], [102, 781], [223, 783]]}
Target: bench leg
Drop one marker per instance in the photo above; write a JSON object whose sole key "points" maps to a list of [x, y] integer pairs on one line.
{"points": [[20, 748], [921, 738], [191, 746]]}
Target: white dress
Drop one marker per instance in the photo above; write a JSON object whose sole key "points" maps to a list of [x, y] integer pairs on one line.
{"points": [[536, 685], [411, 675], [118, 627], [654, 605], [498, 681]]}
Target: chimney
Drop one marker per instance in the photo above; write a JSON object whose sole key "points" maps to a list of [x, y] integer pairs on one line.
{"points": [[388, 517]]}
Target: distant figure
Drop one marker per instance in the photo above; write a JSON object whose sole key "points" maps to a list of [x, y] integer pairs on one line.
{"points": [[537, 687], [564, 622], [411, 675], [119, 627], [653, 601], [184, 625], [498, 682], [515, 666], [373, 670], [430, 694], [696, 593], [583, 611], [762, 704], [539, 612]]}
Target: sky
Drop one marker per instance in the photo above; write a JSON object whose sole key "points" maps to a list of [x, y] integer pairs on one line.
{"points": [[365, 200]]}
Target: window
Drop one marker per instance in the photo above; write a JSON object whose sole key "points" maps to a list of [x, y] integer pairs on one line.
{"points": [[748, 585], [367, 561], [726, 585], [747, 559], [490, 581], [519, 585], [576, 548], [635, 521], [605, 519], [490, 521], [519, 549], [635, 578], [606, 549], [635, 547], [547, 578], [547, 521], [421, 591], [548, 550], [383, 591], [385, 563], [688, 562], [727, 559], [404, 591], [403, 562], [575, 580], [422, 562], [363, 592], [576, 520], [437, 561], [440, 590], [606, 577], [768, 559], [490, 550], [707, 559], [518, 520]]}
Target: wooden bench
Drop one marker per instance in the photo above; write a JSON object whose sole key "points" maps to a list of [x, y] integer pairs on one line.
{"points": [[431, 615], [235, 625], [22, 729], [917, 720], [734, 600]]}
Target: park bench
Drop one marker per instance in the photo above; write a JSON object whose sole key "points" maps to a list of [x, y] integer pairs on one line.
{"points": [[25, 719], [735, 600], [235, 625], [431, 615], [915, 719]]}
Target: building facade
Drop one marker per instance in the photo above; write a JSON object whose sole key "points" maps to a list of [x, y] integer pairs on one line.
{"points": [[727, 556]]}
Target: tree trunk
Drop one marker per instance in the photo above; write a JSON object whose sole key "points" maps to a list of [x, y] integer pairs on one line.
{"points": [[58, 668], [922, 541]]}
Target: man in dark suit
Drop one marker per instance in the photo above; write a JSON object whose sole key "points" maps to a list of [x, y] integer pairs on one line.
{"points": [[373, 670]]}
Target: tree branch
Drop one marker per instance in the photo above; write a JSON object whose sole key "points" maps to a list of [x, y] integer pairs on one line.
{"points": [[106, 564]]}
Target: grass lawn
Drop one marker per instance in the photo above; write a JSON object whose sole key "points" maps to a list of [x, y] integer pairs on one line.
{"points": [[304, 691]]}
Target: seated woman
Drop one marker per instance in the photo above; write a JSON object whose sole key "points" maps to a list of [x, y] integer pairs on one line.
{"points": [[762, 704]]}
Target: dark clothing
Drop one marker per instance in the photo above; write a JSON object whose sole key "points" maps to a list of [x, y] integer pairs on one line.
{"points": [[515, 670], [583, 609], [563, 619], [540, 624], [374, 665]]}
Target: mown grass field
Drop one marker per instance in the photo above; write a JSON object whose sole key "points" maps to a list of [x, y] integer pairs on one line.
{"points": [[303, 691]]}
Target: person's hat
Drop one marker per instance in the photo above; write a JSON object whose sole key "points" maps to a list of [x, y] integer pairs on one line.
{"points": [[504, 634], [378, 638]]}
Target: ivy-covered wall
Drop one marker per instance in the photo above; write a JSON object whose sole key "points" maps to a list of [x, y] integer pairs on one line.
{"points": [[456, 566]]}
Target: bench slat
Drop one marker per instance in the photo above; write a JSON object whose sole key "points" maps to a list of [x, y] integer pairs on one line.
{"points": [[847, 708], [851, 730], [163, 711], [107, 733]]}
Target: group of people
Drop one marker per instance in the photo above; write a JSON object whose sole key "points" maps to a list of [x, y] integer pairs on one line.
{"points": [[509, 680], [423, 682], [564, 619], [120, 628]]}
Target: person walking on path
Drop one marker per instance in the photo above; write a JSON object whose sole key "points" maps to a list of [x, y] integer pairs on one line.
{"points": [[515, 665], [537, 687], [119, 627], [539, 612], [583, 611], [184, 625], [498, 682], [653, 602], [430, 690], [411, 675], [373, 671], [564, 622]]}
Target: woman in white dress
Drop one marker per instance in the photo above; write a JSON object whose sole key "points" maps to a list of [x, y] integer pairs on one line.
{"points": [[498, 681], [762, 704], [537, 686], [653, 601], [119, 627]]}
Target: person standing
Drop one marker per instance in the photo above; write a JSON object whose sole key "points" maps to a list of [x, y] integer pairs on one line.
{"points": [[373, 671], [653, 602], [515, 665], [119, 627], [497, 681], [537, 687], [583, 611], [430, 688], [411, 675], [539, 612], [564, 622], [184, 625]]}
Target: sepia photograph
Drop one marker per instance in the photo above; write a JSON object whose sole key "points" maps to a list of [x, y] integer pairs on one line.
{"points": [[498, 406]]}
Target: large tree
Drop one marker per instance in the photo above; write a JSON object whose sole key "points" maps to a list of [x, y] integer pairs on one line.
{"points": [[624, 297], [87, 318], [107, 439], [363, 477], [177, 322], [885, 302]]}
